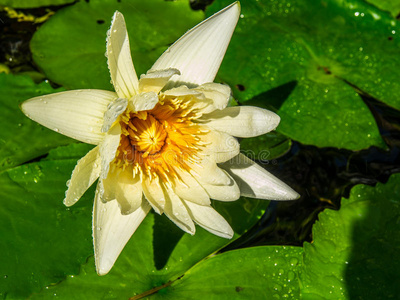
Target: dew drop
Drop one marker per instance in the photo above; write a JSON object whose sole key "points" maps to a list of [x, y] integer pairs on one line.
{"points": [[294, 261]]}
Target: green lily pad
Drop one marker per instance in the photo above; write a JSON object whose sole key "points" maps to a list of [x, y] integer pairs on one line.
{"points": [[255, 273], [21, 139], [355, 252], [33, 3], [328, 122], [265, 147], [392, 6], [43, 241], [157, 253], [37, 230], [70, 47], [354, 255], [329, 49]]}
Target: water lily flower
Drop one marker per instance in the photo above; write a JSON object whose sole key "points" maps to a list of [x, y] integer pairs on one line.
{"points": [[165, 141]]}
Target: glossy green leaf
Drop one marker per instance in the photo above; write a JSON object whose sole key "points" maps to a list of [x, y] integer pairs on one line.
{"points": [[157, 253], [265, 147], [319, 53], [33, 3], [20, 138], [356, 250], [354, 255], [339, 118], [392, 6], [41, 240], [70, 47], [269, 272]]}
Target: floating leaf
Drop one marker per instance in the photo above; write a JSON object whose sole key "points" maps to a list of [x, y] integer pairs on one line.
{"points": [[41, 240], [265, 147], [70, 47], [318, 54], [392, 6], [255, 273], [20, 138], [355, 252], [33, 3]]}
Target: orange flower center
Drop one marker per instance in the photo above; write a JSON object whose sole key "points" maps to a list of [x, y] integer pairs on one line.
{"points": [[161, 141], [146, 136]]}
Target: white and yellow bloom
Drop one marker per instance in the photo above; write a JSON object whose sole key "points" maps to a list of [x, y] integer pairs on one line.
{"points": [[164, 141]]}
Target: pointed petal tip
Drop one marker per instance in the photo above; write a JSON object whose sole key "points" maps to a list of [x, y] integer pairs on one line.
{"points": [[199, 52], [67, 203], [119, 60], [292, 195], [103, 267], [227, 235]]}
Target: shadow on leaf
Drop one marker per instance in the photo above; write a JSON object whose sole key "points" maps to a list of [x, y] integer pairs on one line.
{"points": [[166, 236]]}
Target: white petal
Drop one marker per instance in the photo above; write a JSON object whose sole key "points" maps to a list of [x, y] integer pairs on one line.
{"points": [[143, 101], [123, 75], [86, 171], [112, 230], [199, 52], [183, 90], [154, 81], [207, 171], [229, 192], [177, 212], [154, 193], [108, 148], [256, 182], [77, 114], [220, 146], [189, 189], [114, 109], [121, 186], [210, 220], [242, 121], [219, 94]]}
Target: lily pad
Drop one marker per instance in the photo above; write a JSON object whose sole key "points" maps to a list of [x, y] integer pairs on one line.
{"points": [[21, 139], [157, 253], [256, 273], [355, 252], [33, 3], [43, 241], [330, 50], [392, 6], [265, 147], [354, 255], [70, 47], [36, 229]]}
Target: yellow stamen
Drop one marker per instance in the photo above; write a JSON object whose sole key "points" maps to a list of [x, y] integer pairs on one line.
{"points": [[159, 142]]}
